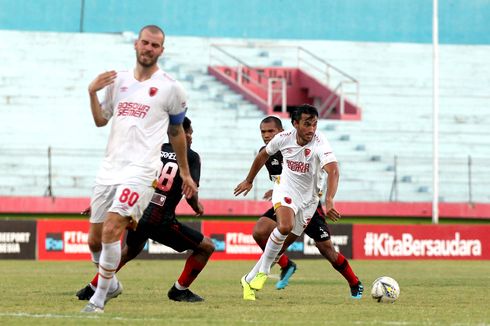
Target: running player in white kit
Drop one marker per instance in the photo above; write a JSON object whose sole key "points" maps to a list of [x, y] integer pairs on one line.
{"points": [[306, 153], [145, 104]]}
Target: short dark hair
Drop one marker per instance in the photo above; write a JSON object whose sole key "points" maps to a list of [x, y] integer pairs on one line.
{"points": [[186, 124], [304, 108], [153, 29], [274, 119]]}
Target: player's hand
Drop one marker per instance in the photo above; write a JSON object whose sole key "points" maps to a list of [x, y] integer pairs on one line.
{"points": [[268, 195], [189, 187], [86, 211], [332, 213], [200, 209], [244, 187], [101, 81]]}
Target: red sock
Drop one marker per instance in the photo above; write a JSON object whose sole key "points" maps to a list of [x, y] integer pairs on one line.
{"points": [[283, 261], [342, 265], [95, 280], [191, 270], [96, 277]]}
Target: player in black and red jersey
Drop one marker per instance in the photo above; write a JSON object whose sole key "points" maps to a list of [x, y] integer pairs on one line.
{"points": [[160, 224], [317, 229]]}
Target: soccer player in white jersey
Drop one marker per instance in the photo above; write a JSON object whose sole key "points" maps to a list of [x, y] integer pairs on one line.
{"points": [[145, 104], [306, 152]]}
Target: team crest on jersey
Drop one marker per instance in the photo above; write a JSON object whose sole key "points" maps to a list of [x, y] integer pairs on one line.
{"points": [[287, 200], [153, 91], [307, 151]]}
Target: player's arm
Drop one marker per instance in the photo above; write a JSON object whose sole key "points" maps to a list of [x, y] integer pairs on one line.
{"points": [[195, 204], [177, 139], [195, 169], [101, 81], [332, 170], [245, 186]]}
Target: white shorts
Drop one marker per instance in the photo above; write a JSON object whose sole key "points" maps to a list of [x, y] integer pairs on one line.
{"points": [[125, 200], [303, 213]]}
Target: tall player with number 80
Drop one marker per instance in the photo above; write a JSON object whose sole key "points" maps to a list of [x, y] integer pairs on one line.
{"points": [[145, 104]]}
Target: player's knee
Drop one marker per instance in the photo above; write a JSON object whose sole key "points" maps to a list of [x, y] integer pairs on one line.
{"points": [[285, 228], [94, 243]]}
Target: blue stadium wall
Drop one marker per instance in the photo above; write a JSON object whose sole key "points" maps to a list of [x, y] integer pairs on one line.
{"points": [[461, 21]]}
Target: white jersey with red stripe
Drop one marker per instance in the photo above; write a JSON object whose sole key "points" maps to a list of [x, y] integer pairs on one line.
{"points": [[302, 165], [140, 113]]}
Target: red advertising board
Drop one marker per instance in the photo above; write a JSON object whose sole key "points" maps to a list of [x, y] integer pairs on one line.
{"points": [[63, 240], [232, 240], [421, 242]]}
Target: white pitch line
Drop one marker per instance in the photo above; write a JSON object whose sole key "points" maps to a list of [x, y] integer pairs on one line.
{"points": [[80, 316]]}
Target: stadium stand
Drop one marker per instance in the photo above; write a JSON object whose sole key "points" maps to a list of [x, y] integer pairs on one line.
{"points": [[44, 104]]}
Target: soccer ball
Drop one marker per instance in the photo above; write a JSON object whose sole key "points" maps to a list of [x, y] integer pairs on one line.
{"points": [[385, 289]]}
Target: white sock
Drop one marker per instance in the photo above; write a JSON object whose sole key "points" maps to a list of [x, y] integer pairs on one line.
{"points": [[180, 287], [250, 276], [109, 260], [272, 248], [113, 285]]}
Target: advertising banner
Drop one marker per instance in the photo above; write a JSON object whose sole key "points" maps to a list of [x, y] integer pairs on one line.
{"points": [[341, 236], [234, 240], [421, 242], [17, 239], [63, 240]]}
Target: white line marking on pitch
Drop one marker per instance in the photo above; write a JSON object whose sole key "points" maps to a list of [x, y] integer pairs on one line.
{"points": [[81, 316]]}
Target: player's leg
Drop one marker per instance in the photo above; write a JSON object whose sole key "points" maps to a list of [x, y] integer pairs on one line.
{"points": [[95, 246], [99, 206], [289, 270], [135, 242], [319, 231], [110, 257], [129, 201], [285, 223], [180, 237], [262, 230], [341, 264]]}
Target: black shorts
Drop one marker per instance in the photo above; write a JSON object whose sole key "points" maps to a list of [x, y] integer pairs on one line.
{"points": [[172, 233], [317, 229]]}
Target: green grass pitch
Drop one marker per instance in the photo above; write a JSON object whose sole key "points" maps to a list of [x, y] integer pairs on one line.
{"points": [[432, 293]]}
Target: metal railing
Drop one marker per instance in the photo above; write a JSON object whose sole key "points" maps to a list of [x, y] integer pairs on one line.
{"points": [[342, 84], [274, 93], [66, 171]]}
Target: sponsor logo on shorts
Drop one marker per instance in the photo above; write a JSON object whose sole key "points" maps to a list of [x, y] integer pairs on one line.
{"points": [[287, 200]]}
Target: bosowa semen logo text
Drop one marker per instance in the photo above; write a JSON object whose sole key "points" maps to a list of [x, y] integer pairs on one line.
{"points": [[386, 245]]}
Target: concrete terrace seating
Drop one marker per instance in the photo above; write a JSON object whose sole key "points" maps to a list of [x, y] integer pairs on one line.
{"points": [[43, 99]]}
